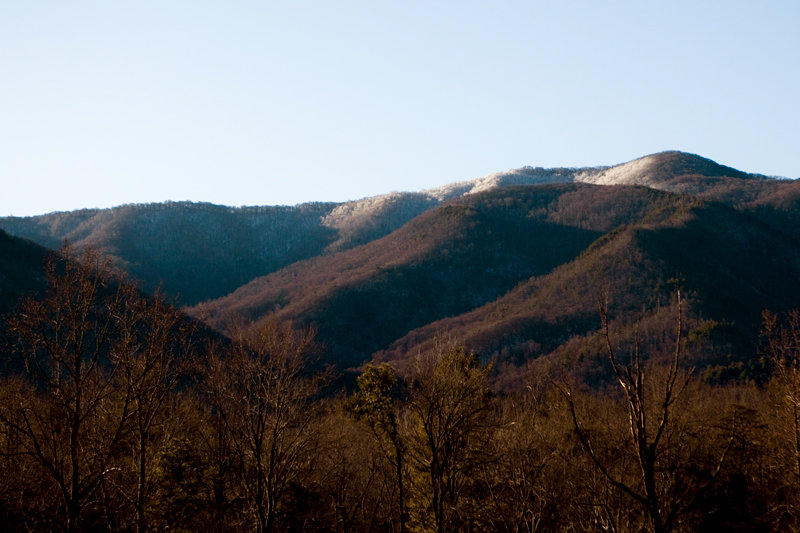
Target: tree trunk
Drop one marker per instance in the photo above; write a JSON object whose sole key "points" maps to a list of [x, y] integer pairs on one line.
{"points": [[401, 494], [140, 519], [73, 503]]}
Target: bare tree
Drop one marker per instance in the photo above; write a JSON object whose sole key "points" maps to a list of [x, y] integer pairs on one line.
{"points": [[356, 480], [652, 413], [72, 422], [780, 336], [525, 487], [151, 352], [263, 394], [781, 345]]}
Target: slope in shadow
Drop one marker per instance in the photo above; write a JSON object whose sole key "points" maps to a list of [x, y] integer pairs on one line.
{"points": [[730, 265], [20, 270], [446, 262], [195, 250]]}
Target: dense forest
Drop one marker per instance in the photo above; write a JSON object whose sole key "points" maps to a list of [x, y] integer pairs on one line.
{"points": [[129, 417], [612, 349]]}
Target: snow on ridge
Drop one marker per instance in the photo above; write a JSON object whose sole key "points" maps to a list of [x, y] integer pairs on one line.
{"points": [[519, 176], [641, 171], [361, 209], [636, 172], [366, 208]]}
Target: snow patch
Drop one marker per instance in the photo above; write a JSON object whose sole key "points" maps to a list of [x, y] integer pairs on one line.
{"points": [[636, 172]]}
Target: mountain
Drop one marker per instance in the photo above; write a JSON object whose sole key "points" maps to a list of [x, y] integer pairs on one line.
{"points": [[655, 169], [202, 251], [508, 263], [197, 251], [21, 273], [446, 261], [730, 266], [456, 262]]}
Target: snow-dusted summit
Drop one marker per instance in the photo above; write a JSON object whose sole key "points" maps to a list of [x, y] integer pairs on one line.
{"points": [[360, 221]]}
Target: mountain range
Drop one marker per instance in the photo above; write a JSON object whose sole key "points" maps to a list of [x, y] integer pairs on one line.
{"points": [[510, 264]]}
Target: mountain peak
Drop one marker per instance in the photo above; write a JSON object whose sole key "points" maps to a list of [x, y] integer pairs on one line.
{"points": [[653, 169]]}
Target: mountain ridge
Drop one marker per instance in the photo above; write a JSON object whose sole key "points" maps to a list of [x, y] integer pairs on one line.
{"points": [[202, 251], [638, 265], [378, 277], [359, 300]]}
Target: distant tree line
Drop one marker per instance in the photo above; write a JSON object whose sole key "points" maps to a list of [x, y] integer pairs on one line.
{"points": [[126, 419], [207, 206]]}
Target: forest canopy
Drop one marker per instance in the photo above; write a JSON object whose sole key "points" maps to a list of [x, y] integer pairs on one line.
{"points": [[127, 417]]}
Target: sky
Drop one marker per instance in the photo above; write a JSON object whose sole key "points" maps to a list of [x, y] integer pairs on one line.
{"points": [[278, 103]]}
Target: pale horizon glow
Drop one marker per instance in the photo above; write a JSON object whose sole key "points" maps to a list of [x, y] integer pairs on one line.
{"points": [[278, 103]]}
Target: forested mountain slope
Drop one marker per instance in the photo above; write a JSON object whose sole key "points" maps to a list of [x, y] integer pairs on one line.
{"points": [[775, 202], [729, 265], [470, 252], [205, 251], [21, 272], [197, 251]]}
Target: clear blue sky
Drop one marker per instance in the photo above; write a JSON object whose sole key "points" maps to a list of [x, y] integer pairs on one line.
{"points": [[257, 102]]}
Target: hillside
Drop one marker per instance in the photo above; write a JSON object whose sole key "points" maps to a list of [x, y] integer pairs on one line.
{"points": [[454, 258], [21, 272], [772, 201], [202, 251], [205, 251], [730, 266], [197, 251]]}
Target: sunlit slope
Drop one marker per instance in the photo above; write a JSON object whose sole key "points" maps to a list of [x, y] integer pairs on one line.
{"points": [[452, 259], [657, 168], [775, 202], [730, 266]]}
